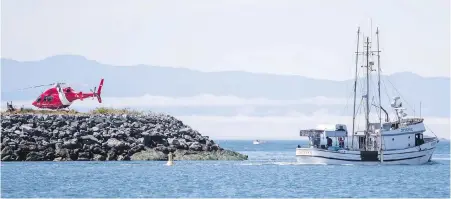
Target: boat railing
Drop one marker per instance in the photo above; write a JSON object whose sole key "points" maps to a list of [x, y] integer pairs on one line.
{"points": [[415, 120], [429, 139], [303, 146], [310, 132]]}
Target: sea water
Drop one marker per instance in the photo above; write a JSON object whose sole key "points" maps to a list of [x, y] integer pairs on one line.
{"points": [[271, 171]]}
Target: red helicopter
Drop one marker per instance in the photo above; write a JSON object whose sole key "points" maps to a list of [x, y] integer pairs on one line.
{"points": [[59, 97]]}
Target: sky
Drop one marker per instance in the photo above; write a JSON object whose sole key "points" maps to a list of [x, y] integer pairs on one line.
{"points": [[315, 38], [310, 38]]}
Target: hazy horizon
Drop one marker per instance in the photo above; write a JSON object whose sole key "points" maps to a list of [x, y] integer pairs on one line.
{"points": [[225, 70]]}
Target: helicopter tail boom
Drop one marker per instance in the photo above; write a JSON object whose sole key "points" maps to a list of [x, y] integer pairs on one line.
{"points": [[94, 93]]}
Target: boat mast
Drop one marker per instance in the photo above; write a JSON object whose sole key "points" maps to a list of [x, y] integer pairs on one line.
{"points": [[367, 113], [379, 93], [355, 86], [379, 77]]}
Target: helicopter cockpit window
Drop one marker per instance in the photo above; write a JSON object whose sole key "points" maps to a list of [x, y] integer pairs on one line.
{"points": [[39, 99], [48, 98]]}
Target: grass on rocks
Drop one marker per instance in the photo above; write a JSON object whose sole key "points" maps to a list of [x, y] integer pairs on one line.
{"points": [[113, 111], [97, 111]]}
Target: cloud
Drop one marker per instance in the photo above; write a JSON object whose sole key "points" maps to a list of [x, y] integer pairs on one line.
{"points": [[285, 127], [204, 100], [243, 124], [212, 100]]}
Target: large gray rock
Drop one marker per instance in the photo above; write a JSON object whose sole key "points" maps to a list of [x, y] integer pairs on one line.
{"points": [[90, 139], [7, 151], [205, 155], [35, 156], [71, 144], [115, 143], [195, 146], [149, 154], [99, 157]]}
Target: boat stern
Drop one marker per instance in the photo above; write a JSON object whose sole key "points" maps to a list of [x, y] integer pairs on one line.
{"points": [[303, 152]]}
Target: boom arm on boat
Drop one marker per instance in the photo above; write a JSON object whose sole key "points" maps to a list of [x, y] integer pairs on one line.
{"points": [[387, 119]]}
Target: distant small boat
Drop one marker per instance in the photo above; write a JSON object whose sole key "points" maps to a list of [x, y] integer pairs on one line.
{"points": [[257, 142]]}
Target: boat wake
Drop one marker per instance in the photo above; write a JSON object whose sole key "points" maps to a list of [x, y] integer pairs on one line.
{"points": [[286, 164], [441, 159]]}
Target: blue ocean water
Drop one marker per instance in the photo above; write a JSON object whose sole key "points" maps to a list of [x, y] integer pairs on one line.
{"points": [[271, 171]]}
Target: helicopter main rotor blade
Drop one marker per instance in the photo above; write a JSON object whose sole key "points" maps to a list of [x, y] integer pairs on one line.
{"points": [[35, 86], [58, 84]]}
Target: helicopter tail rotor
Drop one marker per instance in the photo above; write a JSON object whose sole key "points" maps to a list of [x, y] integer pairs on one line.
{"points": [[97, 94], [99, 91]]}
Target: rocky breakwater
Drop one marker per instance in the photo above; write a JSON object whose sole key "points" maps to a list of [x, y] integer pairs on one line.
{"points": [[57, 137]]}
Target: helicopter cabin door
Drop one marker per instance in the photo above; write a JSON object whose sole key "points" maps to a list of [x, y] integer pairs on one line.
{"points": [[47, 100]]}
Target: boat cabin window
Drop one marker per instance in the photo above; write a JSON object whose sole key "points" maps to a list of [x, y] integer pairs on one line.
{"points": [[386, 126], [395, 125]]}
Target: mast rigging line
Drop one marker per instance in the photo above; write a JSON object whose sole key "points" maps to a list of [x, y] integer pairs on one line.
{"points": [[352, 90], [373, 91], [347, 100], [430, 130], [399, 93], [386, 91]]}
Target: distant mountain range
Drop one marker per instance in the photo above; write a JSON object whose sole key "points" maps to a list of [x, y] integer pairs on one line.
{"points": [[133, 81]]}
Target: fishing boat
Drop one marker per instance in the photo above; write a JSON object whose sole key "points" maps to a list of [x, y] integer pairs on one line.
{"points": [[390, 141]]}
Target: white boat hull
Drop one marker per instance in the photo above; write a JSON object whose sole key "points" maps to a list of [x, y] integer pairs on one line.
{"points": [[411, 156]]}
